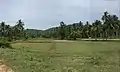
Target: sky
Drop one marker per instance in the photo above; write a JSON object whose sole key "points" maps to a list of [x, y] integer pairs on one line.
{"points": [[43, 14]]}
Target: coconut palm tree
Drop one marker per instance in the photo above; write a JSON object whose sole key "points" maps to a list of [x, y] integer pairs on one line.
{"points": [[2, 29], [96, 28]]}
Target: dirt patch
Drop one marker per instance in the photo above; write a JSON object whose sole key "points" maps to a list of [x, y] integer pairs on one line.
{"points": [[4, 68]]}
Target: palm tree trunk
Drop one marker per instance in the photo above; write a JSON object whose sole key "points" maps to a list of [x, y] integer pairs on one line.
{"points": [[95, 35], [117, 33], [106, 34]]}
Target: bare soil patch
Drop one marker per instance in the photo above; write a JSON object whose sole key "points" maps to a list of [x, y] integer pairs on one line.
{"points": [[4, 68]]}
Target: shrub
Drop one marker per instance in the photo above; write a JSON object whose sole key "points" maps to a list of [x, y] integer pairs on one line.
{"points": [[5, 44]]}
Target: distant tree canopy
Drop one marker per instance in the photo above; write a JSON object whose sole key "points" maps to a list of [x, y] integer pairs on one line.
{"points": [[17, 32], [33, 33], [12, 32], [107, 27]]}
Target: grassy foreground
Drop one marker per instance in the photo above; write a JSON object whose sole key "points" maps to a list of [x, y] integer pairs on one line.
{"points": [[63, 56]]}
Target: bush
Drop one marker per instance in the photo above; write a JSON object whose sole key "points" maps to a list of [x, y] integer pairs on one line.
{"points": [[4, 44]]}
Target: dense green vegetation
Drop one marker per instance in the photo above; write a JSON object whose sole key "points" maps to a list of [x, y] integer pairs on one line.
{"points": [[107, 27], [10, 33], [33, 33], [63, 56]]}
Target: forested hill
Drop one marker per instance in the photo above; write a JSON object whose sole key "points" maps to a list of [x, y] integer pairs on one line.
{"points": [[33, 33]]}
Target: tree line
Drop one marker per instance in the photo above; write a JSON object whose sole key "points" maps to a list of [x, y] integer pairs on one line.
{"points": [[17, 32], [107, 27], [10, 33]]}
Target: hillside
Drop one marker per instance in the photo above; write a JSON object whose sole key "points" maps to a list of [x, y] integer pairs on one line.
{"points": [[33, 32]]}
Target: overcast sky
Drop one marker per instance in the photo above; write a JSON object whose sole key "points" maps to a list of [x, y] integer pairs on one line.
{"points": [[43, 14]]}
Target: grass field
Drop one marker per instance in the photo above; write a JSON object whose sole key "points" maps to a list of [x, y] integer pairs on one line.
{"points": [[63, 56]]}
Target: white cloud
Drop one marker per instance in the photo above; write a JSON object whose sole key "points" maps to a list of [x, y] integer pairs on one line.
{"points": [[44, 13]]}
